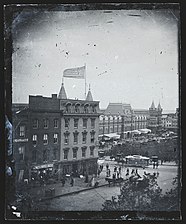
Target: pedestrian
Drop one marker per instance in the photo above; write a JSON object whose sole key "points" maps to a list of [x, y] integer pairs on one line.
{"points": [[63, 181], [157, 174], [86, 178], [117, 174], [120, 170], [99, 171], [109, 172], [127, 170], [115, 169], [72, 182], [157, 164], [106, 173], [107, 166], [127, 174], [153, 165], [136, 172], [114, 178]]}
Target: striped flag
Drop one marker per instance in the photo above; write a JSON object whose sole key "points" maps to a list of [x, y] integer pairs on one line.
{"points": [[78, 72]]}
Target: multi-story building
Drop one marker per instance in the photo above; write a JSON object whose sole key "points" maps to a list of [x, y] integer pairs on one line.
{"points": [[58, 133], [141, 117], [20, 114], [170, 121], [155, 117], [122, 119]]}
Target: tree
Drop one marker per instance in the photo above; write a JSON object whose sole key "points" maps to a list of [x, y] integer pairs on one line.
{"points": [[142, 194]]}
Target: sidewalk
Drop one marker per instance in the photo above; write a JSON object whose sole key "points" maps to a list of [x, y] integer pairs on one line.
{"points": [[67, 189], [79, 184]]}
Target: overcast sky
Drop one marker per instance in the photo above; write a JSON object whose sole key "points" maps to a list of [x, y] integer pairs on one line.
{"points": [[129, 59]]}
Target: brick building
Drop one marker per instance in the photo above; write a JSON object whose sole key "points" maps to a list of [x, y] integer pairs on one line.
{"points": [[120, 118], [155, 117], [59, 134]]}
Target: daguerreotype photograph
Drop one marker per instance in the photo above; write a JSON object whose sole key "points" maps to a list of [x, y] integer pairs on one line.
{"points": [[93, 125]]}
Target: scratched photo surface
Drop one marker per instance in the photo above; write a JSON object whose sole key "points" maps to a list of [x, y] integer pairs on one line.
{"points": [[128, 60]]}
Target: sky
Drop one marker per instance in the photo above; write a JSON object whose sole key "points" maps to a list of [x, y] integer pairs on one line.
{"points": [[131, 56]]}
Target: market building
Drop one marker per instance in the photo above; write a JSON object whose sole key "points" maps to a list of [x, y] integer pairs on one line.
{"points": [[121, 119]]}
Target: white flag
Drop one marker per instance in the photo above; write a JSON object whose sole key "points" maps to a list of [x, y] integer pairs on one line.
{"points": [[78, 73]]}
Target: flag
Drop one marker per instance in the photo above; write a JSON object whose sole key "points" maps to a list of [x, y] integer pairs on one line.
{"points": [[78, 73]]}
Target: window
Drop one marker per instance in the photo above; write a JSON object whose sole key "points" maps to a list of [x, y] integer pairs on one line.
{"points": [[75, 138], [21, 152], [22, 131], [66, 153], [91, 150], [84, 123], [34, 155], [35, 124], [86, 109], [55, 154], [84, 134], [55, 138], [34, 139], [93, 109], [92, 137], [55, 123], [75, 153], [77, 109], [92, 123], [45, 139], [45, 155], [66, 123], [84, 152], [75, 123], [66, 138], [45, 123]]}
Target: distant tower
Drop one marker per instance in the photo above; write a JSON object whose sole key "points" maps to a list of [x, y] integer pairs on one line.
{"points": [[159, 115], [89, 95], [152, 107], [152, 123], [62, 93]]}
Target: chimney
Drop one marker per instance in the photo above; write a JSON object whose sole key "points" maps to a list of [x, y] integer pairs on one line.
{"points": [[54, 96]]}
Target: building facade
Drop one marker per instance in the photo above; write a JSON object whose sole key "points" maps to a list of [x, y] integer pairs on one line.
{"points": [[57, 133], [170, 121], [122, 119], [155, 117], [20, 140]]}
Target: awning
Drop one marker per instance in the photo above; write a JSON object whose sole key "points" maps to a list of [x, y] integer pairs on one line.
{"points": [[136, 132], [112, 135], [137, 157], [145, 130], [44, 166]]}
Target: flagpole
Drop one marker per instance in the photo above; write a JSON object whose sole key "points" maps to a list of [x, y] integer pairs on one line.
{"points": [[85, 81]]}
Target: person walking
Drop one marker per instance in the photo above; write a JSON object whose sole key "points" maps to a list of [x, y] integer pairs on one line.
{"points": [[118, 174], [109, 172], [72, 182], [114, 178], [107, 166], [115, 169], [136, 173], [63, 181]]}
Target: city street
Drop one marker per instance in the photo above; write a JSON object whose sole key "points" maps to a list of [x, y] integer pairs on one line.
{"points": [[92, 200]]}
